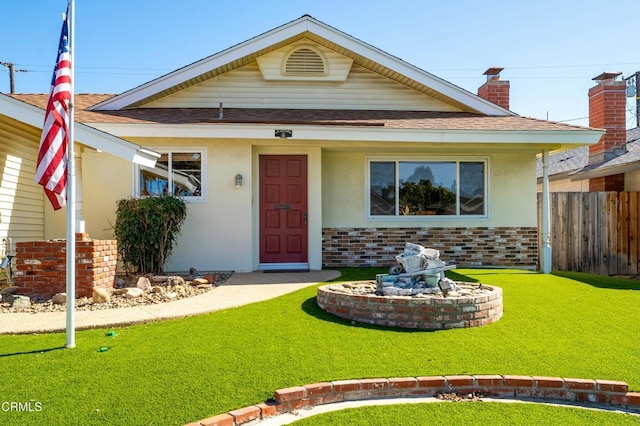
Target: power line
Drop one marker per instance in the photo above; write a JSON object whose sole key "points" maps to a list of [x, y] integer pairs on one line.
{"points": [[12, 70]]}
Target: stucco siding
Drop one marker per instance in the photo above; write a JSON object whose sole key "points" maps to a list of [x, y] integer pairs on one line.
{"points": [[21, 199], [632, 181], [511, 182], [566, 185], [245, 88]]}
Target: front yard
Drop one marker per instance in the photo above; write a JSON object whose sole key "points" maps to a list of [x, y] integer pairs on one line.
{"points": [[174, 372]]}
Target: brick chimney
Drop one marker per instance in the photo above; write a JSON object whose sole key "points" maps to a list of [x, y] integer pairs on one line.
{"points": [[607, 110], [495, 90]]}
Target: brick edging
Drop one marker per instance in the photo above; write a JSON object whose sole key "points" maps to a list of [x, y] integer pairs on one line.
{"points": [[287, 400]]}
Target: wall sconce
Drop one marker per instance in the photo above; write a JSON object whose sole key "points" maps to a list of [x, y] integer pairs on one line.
{"points": [[238, 180]]}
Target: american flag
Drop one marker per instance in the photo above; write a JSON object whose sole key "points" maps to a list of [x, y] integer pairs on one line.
{"points": [[51, 169]]}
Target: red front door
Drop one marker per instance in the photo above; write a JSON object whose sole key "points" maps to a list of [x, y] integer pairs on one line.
{"points": [[283, 209]]}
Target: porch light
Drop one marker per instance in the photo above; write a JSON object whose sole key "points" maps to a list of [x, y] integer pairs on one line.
{"points": [[238, 180]]}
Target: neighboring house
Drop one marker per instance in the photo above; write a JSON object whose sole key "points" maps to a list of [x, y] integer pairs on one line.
{"points": [[613, 164], [305, 147], [569, 170]]}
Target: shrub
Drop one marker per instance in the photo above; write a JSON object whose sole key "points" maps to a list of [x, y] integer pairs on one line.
{"points": [[146, 230]]}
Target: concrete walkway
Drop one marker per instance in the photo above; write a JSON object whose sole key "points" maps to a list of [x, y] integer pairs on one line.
{"points": [[240, 289]]}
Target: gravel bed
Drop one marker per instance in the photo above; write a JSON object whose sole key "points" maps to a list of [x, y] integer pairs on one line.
{"points": [[167, 294]]}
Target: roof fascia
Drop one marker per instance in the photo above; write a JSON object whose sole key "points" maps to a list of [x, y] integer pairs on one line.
{"points": [[605, 171], [85, 135], [552, 140], [284, 32]]}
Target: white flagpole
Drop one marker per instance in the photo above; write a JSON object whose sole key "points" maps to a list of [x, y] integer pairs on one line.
{"points": [[71, 193]]}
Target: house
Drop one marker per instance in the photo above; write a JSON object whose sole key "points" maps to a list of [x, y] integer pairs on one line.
{"points": [[613, 164], [305, 147]]}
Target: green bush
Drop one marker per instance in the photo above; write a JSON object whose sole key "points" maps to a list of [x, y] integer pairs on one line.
{"points": [[146, 230]]}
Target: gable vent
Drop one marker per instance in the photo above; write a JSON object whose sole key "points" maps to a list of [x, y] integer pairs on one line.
{"points": [[304, 61]]}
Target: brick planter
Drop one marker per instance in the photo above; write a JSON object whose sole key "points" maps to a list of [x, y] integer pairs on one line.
{"points": [[41, 266], [412, 312], [529, 388]]}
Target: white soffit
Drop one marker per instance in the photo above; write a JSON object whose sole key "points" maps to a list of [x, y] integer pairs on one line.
{"points": [[275, 37]]}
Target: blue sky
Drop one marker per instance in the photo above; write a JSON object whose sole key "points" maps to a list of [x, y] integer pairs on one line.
{"points": [[550, 49]]}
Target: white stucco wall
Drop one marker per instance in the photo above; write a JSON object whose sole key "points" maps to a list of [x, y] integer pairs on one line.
{"points": [[632, 181], [512, 186], [104, 180], [566, 185], [217, 234]]}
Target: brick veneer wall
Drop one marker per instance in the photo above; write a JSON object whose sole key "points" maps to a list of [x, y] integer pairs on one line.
{"points": [[41, 266], [491, 246], [419, 313], [585, 391]]}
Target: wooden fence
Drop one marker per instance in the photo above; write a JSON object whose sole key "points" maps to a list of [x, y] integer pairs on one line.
{"points": [[595, 232]]}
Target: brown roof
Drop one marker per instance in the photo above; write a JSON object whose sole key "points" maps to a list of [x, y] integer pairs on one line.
{"points": [[426, 120]]}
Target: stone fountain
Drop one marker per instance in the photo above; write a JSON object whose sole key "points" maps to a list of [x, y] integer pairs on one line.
{"points": [[414, 294]]}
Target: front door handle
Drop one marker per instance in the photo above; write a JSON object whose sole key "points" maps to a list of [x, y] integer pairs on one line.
{"points": [[304, 218]]}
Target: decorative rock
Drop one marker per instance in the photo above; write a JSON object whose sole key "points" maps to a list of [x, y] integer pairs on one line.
{"points": [[204, 286], [156, 289], [193, 272], [120, 283], [59, 299], [211, 278], [171, 295], [120, 291], [21, 302], [133, 292], [198, 281], [100, 295], [175, 280], [143, 283]]}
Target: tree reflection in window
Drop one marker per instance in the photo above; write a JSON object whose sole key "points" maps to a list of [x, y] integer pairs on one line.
{"points": [[175, 173], [428, 189], [442, 188]]}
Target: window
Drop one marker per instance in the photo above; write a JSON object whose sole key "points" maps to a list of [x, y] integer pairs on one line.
{"points": [[178, 173], [427, 188]]}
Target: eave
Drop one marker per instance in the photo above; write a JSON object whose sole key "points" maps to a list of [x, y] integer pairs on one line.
{"points": [[84, 134]]}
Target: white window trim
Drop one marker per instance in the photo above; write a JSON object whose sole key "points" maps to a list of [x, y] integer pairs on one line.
{"points": [[172, 149], [418, 218]]}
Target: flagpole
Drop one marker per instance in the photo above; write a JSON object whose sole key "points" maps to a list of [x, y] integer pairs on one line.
{"points": [[71, 193]]}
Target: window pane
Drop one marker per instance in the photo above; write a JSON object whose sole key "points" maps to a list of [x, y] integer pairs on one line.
{"points": [[427, 188], [186, 173], [472, 192], [155, 181], [382, 185]]}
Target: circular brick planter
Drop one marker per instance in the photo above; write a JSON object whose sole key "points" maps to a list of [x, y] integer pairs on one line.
{"points": [[428, 313]]}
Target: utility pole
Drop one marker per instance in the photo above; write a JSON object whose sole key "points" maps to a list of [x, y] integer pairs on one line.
{"points": [[12, 70], [633, 91]]}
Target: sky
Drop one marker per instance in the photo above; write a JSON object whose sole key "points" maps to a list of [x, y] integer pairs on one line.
{"points": [[550, 50]]}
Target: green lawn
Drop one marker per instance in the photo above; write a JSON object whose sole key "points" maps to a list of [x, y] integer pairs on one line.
{"points": [[178, 371]]}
